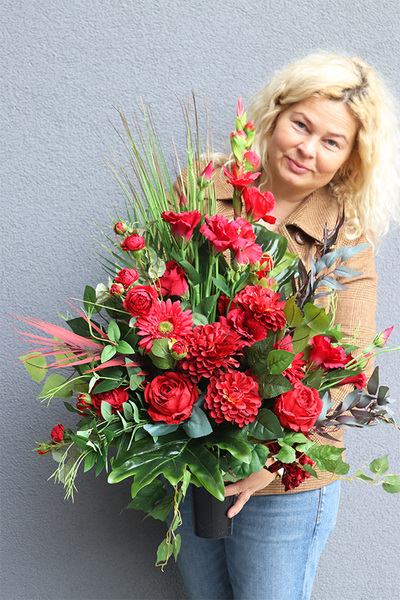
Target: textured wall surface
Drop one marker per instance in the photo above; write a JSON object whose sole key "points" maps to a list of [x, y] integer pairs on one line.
{"points": [[65, 65]]}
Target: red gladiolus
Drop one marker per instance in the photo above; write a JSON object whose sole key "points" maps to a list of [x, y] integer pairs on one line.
{"points": [[57, 433], [251, 160], [240, 178], [166, 320], [264, 304], [233, 397], [266, 264], [258, 205], [182, 224], [133, 243], [173, 282], [326, 355]]}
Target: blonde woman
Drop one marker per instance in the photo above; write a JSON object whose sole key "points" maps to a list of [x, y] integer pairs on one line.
{"points": [[328, 139]]}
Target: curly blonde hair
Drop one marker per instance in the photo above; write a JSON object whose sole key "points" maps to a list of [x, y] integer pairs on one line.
{"points": [[370, 182]]}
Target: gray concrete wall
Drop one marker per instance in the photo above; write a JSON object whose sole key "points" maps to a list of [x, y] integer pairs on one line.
{"points": [[64, 66]]}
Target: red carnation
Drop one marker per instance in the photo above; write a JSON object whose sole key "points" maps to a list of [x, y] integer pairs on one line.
{"points": [[359, 380], [219, 232], [133, 243], [171, 397], [115, 398], [183, 223], [240, 178], [210, 350], [166, 320], [264, 304], [140, 300], [294, 475], [57, 433], [299, 408], [173, 282], [245, 325], [233, 397], [127, 277], [259, 205], [323, 353]]}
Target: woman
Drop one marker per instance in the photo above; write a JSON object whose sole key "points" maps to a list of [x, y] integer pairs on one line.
{"points": [[327, 137]]}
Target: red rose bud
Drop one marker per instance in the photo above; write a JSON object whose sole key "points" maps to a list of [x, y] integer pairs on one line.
{"points": [[133, 243], [117, 289], [250, 131], [115, 398], [381, 339], [120, 228], [57, 433], [259, 205], [251, 160], [127, 277], [46, 451], [179, 350], [84, 402], [238, 144]]}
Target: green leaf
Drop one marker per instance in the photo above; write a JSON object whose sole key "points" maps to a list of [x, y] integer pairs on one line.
{"points": [[89, 298], [360, 475], [199, 319], [176, 542], [206, 306], [148, 496], [198, 425], [271, 386], [105, 385], [373, 382], [222, 286], [135, 381], [161, 510], [113, 331], [391, 484], [160, 354], [164, 551], [257, 354], [232, 439], [293, 314], [316, 318], [272, 243], [56, 386], [108, 352], [313, 379], [90, 461], [300, 338], [279, 360], [379, 465], [258, 456], [106, 410], [204, 465], [125, 348], [193, 275], [266, 426], [35, 365], [286, 454], [159, 429], [310, 470]]}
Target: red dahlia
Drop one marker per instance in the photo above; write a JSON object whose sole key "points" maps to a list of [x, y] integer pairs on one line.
{"points": [[264, 304], [233, 397], [166, 320], [210, 350]]}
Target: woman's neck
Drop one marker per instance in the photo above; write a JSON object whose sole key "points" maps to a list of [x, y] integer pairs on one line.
{"points": [[286, 202]]}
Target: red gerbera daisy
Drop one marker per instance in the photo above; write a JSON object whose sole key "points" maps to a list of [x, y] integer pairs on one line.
{"points": [[264, 304], [166, 320], [210, 350], [233, 397]]}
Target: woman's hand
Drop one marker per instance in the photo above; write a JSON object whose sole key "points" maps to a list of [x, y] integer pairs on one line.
{"points": [[246, 487]]}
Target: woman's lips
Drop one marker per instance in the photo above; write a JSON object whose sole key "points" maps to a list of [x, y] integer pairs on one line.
{"points": [[297, 167]]}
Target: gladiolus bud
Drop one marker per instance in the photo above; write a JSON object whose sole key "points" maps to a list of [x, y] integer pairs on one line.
{"points": [[238, 144], [240, 108], [251, 161], [381, 339], [250, 131], [205, 177], [241, 115]]}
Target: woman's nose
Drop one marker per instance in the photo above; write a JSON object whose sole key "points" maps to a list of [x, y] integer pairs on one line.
{"points": [[308, 147]]}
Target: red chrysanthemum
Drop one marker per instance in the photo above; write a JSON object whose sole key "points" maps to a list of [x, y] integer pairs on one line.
{"points": [[233, 397], [166, 320], [264, 304], [210, 350]]}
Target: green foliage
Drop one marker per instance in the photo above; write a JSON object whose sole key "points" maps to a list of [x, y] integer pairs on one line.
{"points": [[35, 365]]}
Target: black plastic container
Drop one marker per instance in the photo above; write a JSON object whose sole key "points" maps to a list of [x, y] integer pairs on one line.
{"points": [[209, 514]]}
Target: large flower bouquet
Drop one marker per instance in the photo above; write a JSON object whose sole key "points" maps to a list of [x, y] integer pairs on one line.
{"points": [[207, 353]]}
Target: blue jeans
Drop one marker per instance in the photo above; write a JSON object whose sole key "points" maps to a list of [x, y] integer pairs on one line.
{"points": [[272, 554]]}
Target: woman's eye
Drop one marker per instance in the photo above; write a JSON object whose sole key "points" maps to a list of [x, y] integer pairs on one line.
{"points": [[332, 143], [300, 124]]}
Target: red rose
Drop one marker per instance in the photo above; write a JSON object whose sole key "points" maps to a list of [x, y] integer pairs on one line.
{"points": [[245, 325], [171, 397], [323, 353], [127, 277], [140, 300], [133, 243], [173, 282], [115, 397], [57, 433], [233, 397], [258, 205], [299, 408], [182, 224], [117, 289], [359, 380]]}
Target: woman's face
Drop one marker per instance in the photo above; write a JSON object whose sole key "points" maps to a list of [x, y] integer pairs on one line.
{"points": [[312, 139]]}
